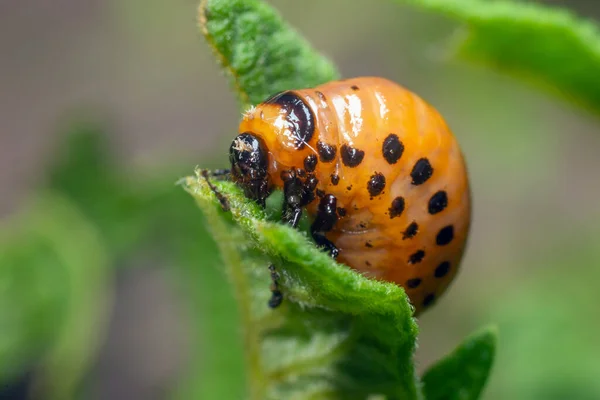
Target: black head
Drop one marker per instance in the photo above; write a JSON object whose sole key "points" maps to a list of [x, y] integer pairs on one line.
{"points": [[249, 161]]}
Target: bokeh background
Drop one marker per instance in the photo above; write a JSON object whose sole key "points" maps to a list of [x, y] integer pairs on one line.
{"points": [[104, 104]]}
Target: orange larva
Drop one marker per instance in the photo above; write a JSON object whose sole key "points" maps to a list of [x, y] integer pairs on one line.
{"points": [[376, 168]]}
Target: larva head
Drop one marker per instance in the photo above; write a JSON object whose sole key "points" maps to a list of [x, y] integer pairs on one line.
{"points": [[249, 162]]}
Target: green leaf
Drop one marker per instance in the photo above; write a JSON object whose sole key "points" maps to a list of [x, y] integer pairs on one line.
{"points": [[128, 212], [261, 53], [462, 374], [83, 170], [54, 296], [549, 46], [336, 335]]}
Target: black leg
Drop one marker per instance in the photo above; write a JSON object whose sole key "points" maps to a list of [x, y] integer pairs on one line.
{"points": [[324, 222], [326, 244], [276, 295], [294, 217], [293, 198], [222, 199]]}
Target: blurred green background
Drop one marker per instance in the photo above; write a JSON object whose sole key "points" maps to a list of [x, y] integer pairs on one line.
{"points": [[107, 277]]}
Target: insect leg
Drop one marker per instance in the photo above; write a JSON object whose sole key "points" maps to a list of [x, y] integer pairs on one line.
{"points": [[326, 244], [276, 295], [222, 199], [293, 198], [325, 220]]}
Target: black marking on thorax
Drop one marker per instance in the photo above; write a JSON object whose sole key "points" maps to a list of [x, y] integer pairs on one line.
{"points": [[298, 114]]}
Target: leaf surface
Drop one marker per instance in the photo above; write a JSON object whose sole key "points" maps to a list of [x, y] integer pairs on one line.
{"points": [[336, 335], [550, 47], [462, 374]]}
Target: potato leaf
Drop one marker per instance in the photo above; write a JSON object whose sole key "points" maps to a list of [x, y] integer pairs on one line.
{"points": [[261, 53], [462, 374], [548, 46], [54, 296], [336, 335]]}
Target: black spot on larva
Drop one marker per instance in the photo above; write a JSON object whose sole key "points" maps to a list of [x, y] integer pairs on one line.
{"points": [[298, 115], [442, 269], [397, 207], [362, 225], [335, 179], [367, 263], [411, 231], [349, 187], [438, 202], [376, 184], [321, 96], [310, 184], [445, 235], [341, 211], [326, 152], [429, 299], [421, 171], [351, 157], [413, 283], [320, 193], [368, 244], [310, 163], [392, 148], [416, 257], [354, 87]]}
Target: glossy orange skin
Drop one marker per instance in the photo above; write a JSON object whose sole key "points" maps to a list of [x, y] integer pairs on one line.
{"points": [[362, 112]]}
